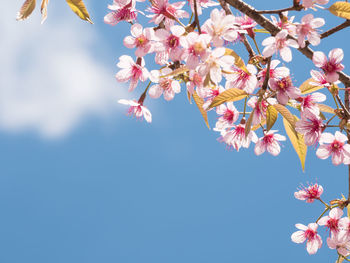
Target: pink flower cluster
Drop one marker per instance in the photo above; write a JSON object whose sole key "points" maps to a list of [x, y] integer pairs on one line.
{"points": [[338, 226]]}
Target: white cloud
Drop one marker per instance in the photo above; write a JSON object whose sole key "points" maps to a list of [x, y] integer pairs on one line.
{"points": [[49, 78]]}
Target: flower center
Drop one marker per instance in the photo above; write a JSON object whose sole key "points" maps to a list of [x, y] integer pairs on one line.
{"points": [[284, 83], [228, 115], [141, 41], [336, 145], [310, 234], [173, 41]]}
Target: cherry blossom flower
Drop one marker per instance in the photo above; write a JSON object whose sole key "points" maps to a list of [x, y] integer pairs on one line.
{"points": [[137, 109], [280, 44], [285, 89], [141, 39], [285, 23], [335, 146], [165, 85], [246, 23], [202, 3], [332, 221], [260, 108], [169, 44], [310, 193], [269, 142], [275, 72], [220, 27], [314, 3], [229, 115], [319, 79], [209, 94], [163, 10], [131, 71], [341, 243], [330, 66], [311, 126], [236, 138], [307, 29], [216, 61], [195, 80], [196, 48], [308, 102], [308, 234], [242, 79], [122, 10]]}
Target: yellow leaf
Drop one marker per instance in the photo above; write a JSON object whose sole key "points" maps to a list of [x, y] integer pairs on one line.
{"points": [[189, 97], [271, 117], [199, 102], [176, 72], [79, 8], [44, 4], [325, 108], [341, 9], [232, 94], [248, 124], [238, 60], [297, 140], [306, 87], [26, 9], [285, 113]]}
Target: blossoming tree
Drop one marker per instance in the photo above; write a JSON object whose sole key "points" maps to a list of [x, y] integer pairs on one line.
{"points": [[249, 96]]}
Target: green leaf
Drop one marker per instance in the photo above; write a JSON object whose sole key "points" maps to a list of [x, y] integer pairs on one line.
{"points": [[79, 8], [232, 94], [341, 9], [297, 141], [271, 117], [306, 87], [26, 9], [199, 102]]}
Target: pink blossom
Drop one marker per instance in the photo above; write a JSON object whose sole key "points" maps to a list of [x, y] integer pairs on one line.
{"points": [[209, 94], [242, 79], [332, 221], [122, 10], [280, 44], [260, 108], [319, 79], [137, 109], [165, 85], [236, 138], [309, 102], [339, 242], [229, 115], [307, 29], [275, 72], [202, 3], [163, 10], [196, 48], [246, 23], [269, 142], [286, 23], [330, 66], [131, 71], [314, 3], [168, 44], [141, 39], [335, 146], [309, 193], [308, 233], [220, 27], [285, 89], [311, 126], [215, 63], [195, 80]]}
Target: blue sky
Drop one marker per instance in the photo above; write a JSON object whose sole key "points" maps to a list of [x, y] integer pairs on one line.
{"points": [[81, 182]]}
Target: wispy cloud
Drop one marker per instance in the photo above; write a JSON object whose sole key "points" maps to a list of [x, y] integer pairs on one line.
{"points": [[49, 78]]}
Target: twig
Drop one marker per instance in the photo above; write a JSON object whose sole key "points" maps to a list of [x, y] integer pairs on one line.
{"points": [[279, 11], [247, 46], [267, 74], [335, 29], [224, 6], [196, 16]]}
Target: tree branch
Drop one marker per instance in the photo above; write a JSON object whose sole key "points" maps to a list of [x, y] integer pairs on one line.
{"points": [[335, 29], [273, 29], [278, 11]]}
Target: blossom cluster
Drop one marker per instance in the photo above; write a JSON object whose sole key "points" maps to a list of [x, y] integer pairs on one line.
{"points": [[338, 227]]}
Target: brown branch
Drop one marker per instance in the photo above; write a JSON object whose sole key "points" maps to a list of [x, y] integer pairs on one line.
{"points": [[335, 29], [224, 6], [247, 46], [196, 16], [279, 11], [273, 29]]}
